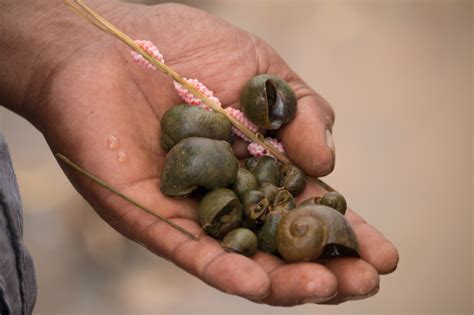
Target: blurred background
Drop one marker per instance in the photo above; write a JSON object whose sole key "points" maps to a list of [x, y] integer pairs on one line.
{"points": [[399, 76]]}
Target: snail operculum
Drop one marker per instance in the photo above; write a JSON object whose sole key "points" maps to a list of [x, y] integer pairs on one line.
{"points": [[306, 232], [242, 241], [265, 169], [197, 162], [293, 179], [184, 121], [268, 101], [220, 212]]}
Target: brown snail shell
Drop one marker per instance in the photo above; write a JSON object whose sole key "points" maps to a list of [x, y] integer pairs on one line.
{"points": [[266, 169], [293, 179], [307, 231], [184, 121], [334, 200], [244, 182], [197, 162], [268, 101], [242, 241], [220, 212]]}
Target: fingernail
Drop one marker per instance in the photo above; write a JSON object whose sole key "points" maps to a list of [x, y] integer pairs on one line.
{"points": [[319, 299], [329, 140], [364, 296]]}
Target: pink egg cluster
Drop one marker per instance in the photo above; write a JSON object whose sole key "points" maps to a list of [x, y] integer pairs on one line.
{"points": [[150, 48], [190, 99], [240, 116], [254, 148]]}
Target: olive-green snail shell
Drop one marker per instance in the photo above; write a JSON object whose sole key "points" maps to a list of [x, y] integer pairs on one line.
{"points": [[242, 241], [267, 233], [268, 101], [197, 162], [307, 231], [220, 212], [265, 169], [185, 121], [293, 179], [244, 182]]}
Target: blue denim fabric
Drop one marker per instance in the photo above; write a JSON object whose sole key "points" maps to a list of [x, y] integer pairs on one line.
{"points": [[17, 275]]}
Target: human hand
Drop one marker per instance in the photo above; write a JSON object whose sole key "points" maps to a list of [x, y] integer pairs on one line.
{"points": [[103, 112]]}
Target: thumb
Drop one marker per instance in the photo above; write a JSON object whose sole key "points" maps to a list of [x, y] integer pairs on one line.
{"points": [[308, 137]]}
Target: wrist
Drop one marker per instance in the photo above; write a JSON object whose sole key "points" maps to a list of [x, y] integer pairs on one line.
{"points": [[35, 38]]}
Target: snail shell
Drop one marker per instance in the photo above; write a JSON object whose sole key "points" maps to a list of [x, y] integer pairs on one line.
{"points": [[269, 190], [311, 201], [267, 234], [184, 121], [266, 169], [220, 212], [293, 179], [334, 200], [242, 241], [244, 182], [268, 101], [307, 231], [195, 162]]}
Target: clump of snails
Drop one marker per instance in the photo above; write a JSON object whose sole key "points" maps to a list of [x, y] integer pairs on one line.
{"points": [[251, 207]]}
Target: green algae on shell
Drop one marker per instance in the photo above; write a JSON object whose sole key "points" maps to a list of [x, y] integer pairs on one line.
{"points": [[185, 121], [195, 162]]}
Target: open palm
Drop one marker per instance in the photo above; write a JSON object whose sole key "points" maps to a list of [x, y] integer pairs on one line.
{"points": [[103, 112]]}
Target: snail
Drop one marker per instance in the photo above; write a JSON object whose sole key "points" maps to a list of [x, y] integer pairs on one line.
{"points": [[255, 207], [220, 212], [293, 179], [334, 200], [331, 199], [195, 162], [284, 200], [244, 181], [268, 101], [184, 121], [306, 232], [242, 241], [267, 234], [265, 169], [269, 190]]}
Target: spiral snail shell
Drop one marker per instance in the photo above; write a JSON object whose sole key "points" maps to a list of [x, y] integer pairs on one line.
{"points": [[306, 232]]}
